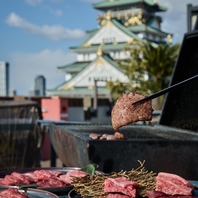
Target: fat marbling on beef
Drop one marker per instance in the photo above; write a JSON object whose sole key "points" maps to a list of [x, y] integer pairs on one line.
{"points": [[12, 193], [121, 185], [172, 184], [67, 178], [42, 178], [124, 113]]}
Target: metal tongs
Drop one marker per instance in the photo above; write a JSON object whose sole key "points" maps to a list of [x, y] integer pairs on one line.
{"points": [[166, 90]]}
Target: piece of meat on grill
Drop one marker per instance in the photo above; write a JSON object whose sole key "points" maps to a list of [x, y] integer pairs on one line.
{"points": [[115, 136], [124, 113], [172, 184], [95, 136]]}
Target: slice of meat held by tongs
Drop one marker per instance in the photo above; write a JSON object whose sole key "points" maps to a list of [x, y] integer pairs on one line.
{"points": [[124, 113], [134, 107], [169, 89]]}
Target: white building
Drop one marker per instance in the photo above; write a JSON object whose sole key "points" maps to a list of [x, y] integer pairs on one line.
{"points": [[4, 78]]}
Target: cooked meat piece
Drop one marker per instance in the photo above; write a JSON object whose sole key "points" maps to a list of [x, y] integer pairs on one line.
{"points": [[172, 184], [95, 136], [111, 137], [124, 113], [115, 136], [103, 137], [119, 135]]}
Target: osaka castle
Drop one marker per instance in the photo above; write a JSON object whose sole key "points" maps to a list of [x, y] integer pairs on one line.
{"points": [[120, 22]]}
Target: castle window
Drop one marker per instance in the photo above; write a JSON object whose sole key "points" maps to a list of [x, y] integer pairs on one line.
{"points": [[109, 40]]}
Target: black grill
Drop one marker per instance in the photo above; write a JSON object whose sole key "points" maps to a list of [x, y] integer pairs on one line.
{"points": [[170, 146], [181, 106]]}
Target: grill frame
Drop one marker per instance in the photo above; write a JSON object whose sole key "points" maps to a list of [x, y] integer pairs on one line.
{"points": [[170, 149], [170, 146]]}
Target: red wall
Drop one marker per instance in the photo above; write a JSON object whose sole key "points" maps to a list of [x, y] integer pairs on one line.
{"points": [[55, 108]]}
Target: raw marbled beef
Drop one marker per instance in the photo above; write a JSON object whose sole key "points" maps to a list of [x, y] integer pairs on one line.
{"points": [[67, 178], [12, 193], [121, 185], [172, 184]]}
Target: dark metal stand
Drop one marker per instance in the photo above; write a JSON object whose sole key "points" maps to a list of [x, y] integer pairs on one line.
{"points": [[192, 11]]}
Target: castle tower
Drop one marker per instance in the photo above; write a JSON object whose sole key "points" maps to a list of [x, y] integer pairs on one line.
{"points": [[120, 23]]}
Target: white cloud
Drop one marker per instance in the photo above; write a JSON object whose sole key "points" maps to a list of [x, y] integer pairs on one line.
{"points": [[27, 66], [175, 18], [55, 32]]}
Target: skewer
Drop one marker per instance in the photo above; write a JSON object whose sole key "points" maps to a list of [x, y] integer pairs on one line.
{"points": [[166, 90]]}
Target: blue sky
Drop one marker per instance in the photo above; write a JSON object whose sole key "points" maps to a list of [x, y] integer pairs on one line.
{"points": [[35, 35]]}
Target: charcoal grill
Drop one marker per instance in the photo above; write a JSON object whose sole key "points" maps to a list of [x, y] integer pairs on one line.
{"points": [[170, 146]]}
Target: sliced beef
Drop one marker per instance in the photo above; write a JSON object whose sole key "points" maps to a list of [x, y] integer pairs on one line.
{"points": [[124, 113], [117, 195], [172, 184], [51, 182], [23, 179], [67, 178], [42, 175], [9, 180], [121, 185], [12, 193]]}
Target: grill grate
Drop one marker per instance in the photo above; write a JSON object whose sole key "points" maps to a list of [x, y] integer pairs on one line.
{"points": [[131, 132]]}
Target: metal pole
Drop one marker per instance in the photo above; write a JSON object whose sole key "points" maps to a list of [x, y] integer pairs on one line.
{"points": [[95, 102]]}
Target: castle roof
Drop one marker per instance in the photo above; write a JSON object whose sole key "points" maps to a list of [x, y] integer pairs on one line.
{"points": [[107, 4]]}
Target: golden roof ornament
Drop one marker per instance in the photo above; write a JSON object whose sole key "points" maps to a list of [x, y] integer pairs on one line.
{"points": [[108, 15], [155, 1], [134, 20], [99, 51], [130, 41]]}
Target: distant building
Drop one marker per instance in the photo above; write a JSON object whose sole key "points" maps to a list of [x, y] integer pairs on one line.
{"points": [[40, 85], [4, 78], [13, 92], [34, 92]]}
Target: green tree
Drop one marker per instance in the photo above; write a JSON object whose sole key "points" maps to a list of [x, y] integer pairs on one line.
{"points": [[159, 62], [148, 67]]}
